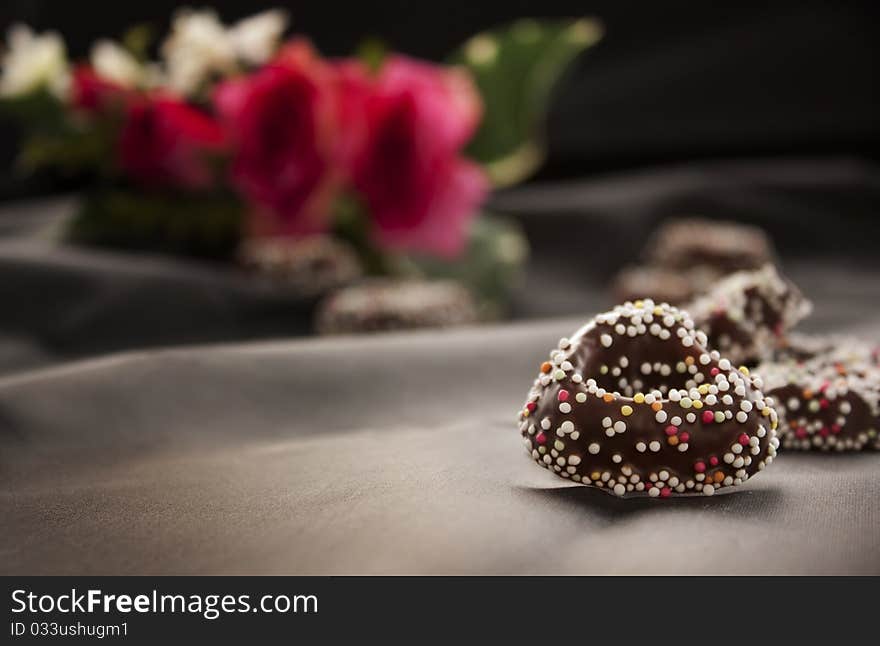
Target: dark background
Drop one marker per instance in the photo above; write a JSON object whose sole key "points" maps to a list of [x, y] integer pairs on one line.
{"points": [[671, 81]]}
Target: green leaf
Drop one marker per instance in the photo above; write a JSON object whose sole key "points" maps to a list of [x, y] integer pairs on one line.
{"points": [[71, 151], [138, 40], [187, 224], [516, 68], [491, 266], [39, 109], [372, 52]]}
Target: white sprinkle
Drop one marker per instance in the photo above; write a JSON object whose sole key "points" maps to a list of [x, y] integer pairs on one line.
{"points": [[606, 340], [593, 448]]}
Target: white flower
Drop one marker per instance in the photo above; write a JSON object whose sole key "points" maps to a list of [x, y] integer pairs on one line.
{"points": [[255, 39], [197, 47], [33, 62], [115, 63], [200, 46]]}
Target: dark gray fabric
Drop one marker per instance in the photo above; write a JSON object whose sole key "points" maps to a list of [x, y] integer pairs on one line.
{"points": [[390, 454]]}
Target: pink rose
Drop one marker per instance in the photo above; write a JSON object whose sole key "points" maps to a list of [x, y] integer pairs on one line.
{"points": [[166, 142], [408, 168], [281, 119]]}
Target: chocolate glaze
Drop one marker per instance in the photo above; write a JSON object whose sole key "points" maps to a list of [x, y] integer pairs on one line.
{"points": [[602, 410]]}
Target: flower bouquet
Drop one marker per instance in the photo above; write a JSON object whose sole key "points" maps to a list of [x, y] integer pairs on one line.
{"points": [[238, 135]]}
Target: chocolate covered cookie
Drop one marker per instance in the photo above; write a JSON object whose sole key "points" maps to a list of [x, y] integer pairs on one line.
{"points": [[306, 266], [829, 399], [661, 284], [747, 315], [383, 305], [635, 403], [726, 246]]}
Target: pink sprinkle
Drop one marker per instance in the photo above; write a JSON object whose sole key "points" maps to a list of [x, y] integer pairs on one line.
{"points": [[801, 433], [531, 406], [562, 396], [541, 438], [684, 437], [835, 428], [714, 372], [708, 417], [825, 432], [744, 439], [700, 467], [713, 461], [665, 492], [824, 403], [671, 430]]}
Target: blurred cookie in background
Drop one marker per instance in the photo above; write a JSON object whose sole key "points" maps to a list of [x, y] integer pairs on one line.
{"points": [[308, 266], [685, 257], [683, 243], [381, 305], [661, 284]]}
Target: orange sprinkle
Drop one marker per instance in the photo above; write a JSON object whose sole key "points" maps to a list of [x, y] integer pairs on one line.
{"points": [[808, 394], [673, 440], [689, 361], [608, 397], [656, 406], [719, 476], [546, 367]]}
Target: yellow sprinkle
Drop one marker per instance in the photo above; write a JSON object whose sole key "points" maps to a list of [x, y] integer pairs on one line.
{"points": [[774, 425], [658, 311], [626, 410], [744, 370], [639, 398], [766, 412], [639, 303], [595, 475], [698, 404], [704, 389]]}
